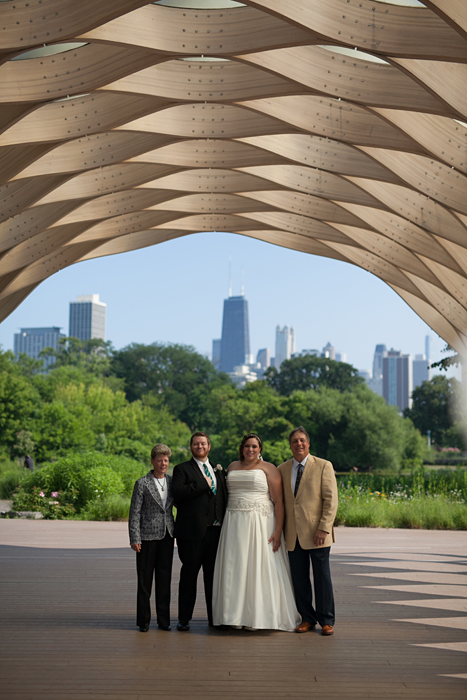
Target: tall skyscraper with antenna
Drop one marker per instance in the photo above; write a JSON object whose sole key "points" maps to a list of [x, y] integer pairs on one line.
{"points": [[235, 341]]}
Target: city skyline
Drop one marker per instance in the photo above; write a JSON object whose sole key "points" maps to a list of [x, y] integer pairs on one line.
{"points": [[152, 299]]}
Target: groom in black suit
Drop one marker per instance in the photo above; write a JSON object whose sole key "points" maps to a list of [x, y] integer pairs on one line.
{"points": [[200, 494]]}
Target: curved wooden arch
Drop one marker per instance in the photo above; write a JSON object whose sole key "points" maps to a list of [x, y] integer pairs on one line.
{"points": [[338, 129]]}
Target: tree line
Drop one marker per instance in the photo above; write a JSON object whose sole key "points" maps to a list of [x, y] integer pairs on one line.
{"points": [[121, 402]]}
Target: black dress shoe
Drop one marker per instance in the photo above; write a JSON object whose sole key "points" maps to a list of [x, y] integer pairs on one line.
{"points": [[166, 628], [183, 628], [144, 628]]}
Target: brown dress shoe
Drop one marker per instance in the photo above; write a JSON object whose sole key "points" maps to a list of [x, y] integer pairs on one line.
{"points": [[327, 630], [305, 627]]}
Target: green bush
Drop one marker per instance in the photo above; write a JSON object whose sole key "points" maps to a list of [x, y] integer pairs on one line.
{"points": [[111, 508], [98, 482], [82, 478], [52, 506], [10, 479], [429, 500]]}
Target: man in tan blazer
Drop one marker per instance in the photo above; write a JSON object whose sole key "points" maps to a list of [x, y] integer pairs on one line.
{"points": [[310, 499]]}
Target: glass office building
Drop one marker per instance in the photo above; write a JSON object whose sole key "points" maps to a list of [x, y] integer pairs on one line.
{"points": [[235, 341], [31, 341], [397, 379], [87, 318]]}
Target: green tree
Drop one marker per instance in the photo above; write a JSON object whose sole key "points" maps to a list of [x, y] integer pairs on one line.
{"points": [[447, 362], [18, 401], [82, 413], [178, 373], [436, 406], [24, 444], [310, 372], [352, 429], [93, 355]]}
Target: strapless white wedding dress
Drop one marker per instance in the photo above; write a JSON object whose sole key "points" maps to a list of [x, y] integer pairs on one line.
{"points": [[252, 584]]}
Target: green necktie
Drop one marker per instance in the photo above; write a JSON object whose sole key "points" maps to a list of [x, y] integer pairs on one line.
{"points": [[212, 485]]}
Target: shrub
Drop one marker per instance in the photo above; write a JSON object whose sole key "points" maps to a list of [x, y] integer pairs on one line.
{"points": [[111, 508], [429, 500], [10, 479], [84, 477], [51, 506], [98, 482]]}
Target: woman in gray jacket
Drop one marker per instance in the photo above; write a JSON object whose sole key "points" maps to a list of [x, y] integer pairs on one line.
{"points": [[151, 526]]}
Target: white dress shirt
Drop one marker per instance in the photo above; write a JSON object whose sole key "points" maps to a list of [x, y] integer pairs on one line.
{"points": [[295, 470], [211, 470]]}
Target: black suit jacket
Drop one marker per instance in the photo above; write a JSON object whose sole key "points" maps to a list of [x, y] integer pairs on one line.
{"points": [[194, 500]]}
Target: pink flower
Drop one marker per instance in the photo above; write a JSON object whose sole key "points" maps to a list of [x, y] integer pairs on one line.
{"points": [[54, 494], [42, 494]]}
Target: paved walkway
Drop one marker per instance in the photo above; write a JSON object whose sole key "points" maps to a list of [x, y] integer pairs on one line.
{"points": [[68, 629]]}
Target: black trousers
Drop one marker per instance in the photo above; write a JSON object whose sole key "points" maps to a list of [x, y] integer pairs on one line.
{"points": [[324, 611], [195, 554], [154, 561]]}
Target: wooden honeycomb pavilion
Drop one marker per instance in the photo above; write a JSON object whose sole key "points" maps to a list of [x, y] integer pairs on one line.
{"points": [[333, 127]]}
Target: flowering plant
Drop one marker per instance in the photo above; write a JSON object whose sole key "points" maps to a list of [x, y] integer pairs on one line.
{"points": [[52, 507], [218, 468]]}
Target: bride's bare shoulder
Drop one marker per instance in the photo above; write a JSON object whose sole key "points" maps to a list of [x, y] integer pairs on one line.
{"points": [[233, 465]]}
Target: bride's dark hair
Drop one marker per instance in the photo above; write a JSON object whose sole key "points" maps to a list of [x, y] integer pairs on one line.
{"points": [[243, 442]]}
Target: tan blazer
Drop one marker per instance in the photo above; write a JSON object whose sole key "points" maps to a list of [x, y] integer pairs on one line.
{"points": [[315, 506]]}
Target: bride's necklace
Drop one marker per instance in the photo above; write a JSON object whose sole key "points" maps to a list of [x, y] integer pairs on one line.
{"points": [[162, 483]]}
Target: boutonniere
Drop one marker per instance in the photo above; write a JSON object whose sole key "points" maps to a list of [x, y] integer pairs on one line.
{"points": [[218, 468]]}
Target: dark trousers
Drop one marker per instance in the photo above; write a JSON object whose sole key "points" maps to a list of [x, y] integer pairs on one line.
{"points": [[195, 554], [154, 560], [323, 612]]}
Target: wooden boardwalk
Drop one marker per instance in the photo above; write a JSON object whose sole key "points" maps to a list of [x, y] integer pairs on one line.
{"points": [[68, 632]]}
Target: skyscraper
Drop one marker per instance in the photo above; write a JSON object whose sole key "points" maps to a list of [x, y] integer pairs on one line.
{"points": [[329, 351], [428, 341], [31, 341], [87, 317], [264, 358], [397, 379], [375, 383], [421, 370], [235, 341], [285, 345], [380, 352]]}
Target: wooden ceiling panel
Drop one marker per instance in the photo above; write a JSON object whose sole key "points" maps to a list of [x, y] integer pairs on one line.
{"points": [[381, 28], [322, 153], [69, 119], [209, 153], [334, 119], [72, 72], [334, 128], [213, 31], [341, 77], [224, 81]]}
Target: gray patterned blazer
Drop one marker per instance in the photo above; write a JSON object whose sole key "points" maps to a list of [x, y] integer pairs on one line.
{"points": [[148, 519]]}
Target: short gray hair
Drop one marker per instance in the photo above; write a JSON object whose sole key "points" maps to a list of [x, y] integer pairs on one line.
{"points": [[160, 450]]}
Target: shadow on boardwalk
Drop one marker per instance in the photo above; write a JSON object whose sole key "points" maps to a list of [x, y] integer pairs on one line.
{"points": [[68, 624]]}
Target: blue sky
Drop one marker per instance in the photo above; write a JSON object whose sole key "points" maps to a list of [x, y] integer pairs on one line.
{"points": [[174, 292]]}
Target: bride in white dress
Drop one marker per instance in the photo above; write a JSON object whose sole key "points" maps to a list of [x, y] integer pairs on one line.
{"points": [[252, 581]]}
